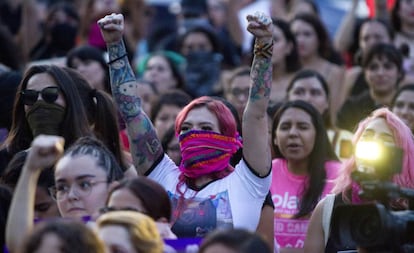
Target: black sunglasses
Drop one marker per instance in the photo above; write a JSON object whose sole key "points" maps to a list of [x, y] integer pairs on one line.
{"points": [[49, 95]]}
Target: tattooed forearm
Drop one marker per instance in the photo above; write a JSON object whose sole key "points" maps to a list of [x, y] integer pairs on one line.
{"points": [[123, 82], [261, 75]]}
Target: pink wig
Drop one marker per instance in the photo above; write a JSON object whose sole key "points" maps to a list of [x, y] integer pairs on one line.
{"points": [[227, 123], [403, 139]]}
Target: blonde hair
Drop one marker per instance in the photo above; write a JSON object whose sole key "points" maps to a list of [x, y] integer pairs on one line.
{"points": [[142, 230]]}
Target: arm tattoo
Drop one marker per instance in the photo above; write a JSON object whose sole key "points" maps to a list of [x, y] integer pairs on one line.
{"points": [[123, 82], [261, 75]]}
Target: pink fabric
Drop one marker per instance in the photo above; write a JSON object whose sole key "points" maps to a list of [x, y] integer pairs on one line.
{"points": [[286, 190], [205, 152], [403, 139], [95, 37]]}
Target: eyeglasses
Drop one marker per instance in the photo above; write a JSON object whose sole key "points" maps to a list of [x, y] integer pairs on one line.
{"points": [[49, 95], [81, 188]]}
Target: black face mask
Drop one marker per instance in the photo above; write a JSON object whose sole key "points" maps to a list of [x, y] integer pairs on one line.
{"points": [[202, 72], [45, 118], [63, 36]]}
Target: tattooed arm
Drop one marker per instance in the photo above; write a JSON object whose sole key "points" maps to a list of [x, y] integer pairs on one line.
{"points": [[256, 150], [144, 144]]}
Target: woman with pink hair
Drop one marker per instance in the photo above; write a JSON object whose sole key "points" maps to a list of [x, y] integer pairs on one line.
{"points": [[205, 190], [384, 127]]}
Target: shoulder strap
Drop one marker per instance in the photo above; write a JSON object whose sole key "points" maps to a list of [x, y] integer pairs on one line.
{"points": [[326, 214]]}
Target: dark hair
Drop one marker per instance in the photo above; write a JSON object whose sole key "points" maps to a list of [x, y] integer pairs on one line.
{"points": [[239, 240], [9, 82], [317, 158], [11, 174], [75, 123], [206, 30], [102, 114], [292, 61], [386, 50], [74, 236], [406, 87], [85, 53], [104, 158], [307, 73], [395, 16], [172, 97], [325, 49], [5, 200], [152, 195]]}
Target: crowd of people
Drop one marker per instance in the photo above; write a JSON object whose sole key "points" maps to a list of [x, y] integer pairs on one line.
{"points": [[131, 126]]}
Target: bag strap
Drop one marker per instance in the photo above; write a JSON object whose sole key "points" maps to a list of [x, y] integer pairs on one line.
{"points": [[326, 215]]}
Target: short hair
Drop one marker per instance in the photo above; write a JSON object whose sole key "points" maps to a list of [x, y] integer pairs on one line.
{"points": [[389, 51], [152, 195], [142, 230], [403, 139], [226, 120], [317, 158], [74, 236]]}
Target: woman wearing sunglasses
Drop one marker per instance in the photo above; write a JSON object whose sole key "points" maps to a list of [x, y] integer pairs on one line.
{"points": [[59, 101]]}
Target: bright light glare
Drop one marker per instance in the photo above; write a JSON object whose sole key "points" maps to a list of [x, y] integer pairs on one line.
{"points": [[368, 150]]}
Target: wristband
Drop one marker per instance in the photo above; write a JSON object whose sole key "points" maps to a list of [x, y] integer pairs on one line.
{"points": [[264, 50], [116, 59]]}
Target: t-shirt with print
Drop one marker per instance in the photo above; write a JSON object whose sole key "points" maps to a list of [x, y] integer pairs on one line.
{"points": [[286, 189], [233, 201]]}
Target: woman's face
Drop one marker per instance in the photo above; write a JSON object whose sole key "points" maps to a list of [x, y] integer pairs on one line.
{"points": [[310, 90], [406, 12], [382, 75], [45, 207], [92, 71], [124, 199], [173, 150], [196, 42], [116, 239], [159, 72], [82, 186], [147, 95], [404, 107], [200, 119], [371, 33], [281, 47], [238, 93], [377, 130], [40, 81], [306, 38], [295, 134], [165, 119]]}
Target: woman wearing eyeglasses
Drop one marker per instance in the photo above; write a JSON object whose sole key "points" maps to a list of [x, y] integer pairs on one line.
{"points": [[84, 176]]}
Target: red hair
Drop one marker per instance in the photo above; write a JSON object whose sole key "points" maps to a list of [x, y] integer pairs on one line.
{"points": [[403, 138], [227, 123]]}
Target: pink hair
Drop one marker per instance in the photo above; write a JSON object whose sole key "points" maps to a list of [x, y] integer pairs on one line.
{"points": [[227, 123], [403, 139]]}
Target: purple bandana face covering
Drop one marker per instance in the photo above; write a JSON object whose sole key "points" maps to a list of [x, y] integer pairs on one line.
{"points": [[205, 152]]}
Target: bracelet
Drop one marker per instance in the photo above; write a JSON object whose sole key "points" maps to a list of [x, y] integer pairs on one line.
{"points": [[263, 49], [116, 59]]}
